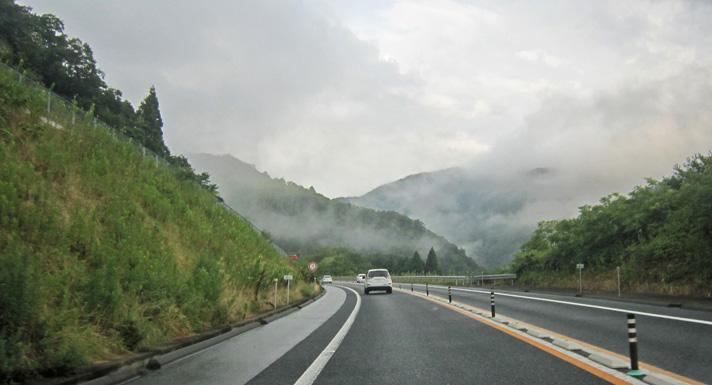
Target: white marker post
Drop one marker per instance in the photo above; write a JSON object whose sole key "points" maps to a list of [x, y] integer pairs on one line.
{"points": [[579, 266], [288, 278], [275, 292]]}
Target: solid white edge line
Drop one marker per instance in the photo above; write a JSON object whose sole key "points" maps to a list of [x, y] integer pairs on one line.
{"points": [[313, 371], [654, 315]]}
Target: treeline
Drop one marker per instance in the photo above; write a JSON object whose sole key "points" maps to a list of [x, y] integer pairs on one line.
{"points": [[660, 235], [346, 262], [38, 46]]}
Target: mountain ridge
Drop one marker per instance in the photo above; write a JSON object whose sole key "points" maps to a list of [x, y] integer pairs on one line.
{"points": [[303, 221]]}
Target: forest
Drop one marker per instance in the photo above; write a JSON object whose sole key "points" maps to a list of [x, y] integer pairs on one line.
{"points": [[659, 234]]}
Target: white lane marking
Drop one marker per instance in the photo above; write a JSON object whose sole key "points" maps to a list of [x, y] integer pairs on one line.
{"points": [[615, 309], [312, 372]]}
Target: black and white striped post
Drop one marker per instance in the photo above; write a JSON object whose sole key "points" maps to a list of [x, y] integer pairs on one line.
{"points": [[492, 302], [426, 289], [633, 343], [449, 294]]}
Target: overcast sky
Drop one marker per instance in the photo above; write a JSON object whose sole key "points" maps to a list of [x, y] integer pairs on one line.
{"points": [[346, 95]]}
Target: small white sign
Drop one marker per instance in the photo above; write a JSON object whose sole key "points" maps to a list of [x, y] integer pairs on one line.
{"points": [[312, 266], [579, 266], [288, 277]]}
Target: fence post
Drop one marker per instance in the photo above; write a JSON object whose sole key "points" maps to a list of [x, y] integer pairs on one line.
{"points": [[492, 302], [426, 289], [449, 294], [633, 344]]}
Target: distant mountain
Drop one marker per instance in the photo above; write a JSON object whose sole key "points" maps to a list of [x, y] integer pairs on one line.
{"points": [[303, 221], [489, 214]]}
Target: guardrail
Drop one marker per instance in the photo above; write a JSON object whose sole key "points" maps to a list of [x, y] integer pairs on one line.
{"points": [[457, 280]]}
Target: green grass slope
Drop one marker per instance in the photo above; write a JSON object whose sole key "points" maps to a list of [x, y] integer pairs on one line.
{"points": [[105, 251]]}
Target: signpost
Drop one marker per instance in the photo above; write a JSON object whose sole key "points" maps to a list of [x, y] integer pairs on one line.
{"points": [[579, 266], [312, 268], [288, 278]]}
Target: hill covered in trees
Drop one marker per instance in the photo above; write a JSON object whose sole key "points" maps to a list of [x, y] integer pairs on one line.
{"points": [[305, 222], [660, 235]]}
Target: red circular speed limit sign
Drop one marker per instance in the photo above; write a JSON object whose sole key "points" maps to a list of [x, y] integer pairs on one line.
{"points": [[312, 266]]}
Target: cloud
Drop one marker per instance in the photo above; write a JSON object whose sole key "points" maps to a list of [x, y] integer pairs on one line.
{"points": [[539, 55], [348, 95]]}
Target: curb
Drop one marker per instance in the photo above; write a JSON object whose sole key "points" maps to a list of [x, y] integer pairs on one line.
{"points": [[142, 363]]}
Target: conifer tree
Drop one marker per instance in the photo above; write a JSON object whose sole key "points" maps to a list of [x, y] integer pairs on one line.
{"points": [[151, 125], [416, 263], [431, 263]]}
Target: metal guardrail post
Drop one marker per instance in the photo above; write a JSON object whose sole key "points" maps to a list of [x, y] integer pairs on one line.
{"points": [[633, 344], [449, 294], [492, 302]]}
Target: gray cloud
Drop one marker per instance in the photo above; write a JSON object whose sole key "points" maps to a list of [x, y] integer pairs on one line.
{"points": [[347, 95]]}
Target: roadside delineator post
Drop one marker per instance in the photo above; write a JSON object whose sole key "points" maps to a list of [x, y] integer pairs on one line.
{"points": [[427, 292], [411, 286], [275, 292], [492, 302], [633, 342], [449, 294]]}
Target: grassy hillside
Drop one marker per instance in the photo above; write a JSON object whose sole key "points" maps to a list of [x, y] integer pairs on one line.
{"points": [[104, 250], [306, 222], [660, 235]]}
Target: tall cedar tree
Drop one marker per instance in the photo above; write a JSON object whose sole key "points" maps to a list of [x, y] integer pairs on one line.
{"points": [[151, 124], [431, 263], [416, 263]]}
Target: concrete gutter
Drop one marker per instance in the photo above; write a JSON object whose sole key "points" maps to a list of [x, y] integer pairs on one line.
{"points": [[140, 364]]}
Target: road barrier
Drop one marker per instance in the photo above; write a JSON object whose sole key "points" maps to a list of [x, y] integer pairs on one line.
{"points": [[492, 302], [633, 344]]}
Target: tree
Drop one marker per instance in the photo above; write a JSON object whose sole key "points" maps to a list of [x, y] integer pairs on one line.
{"points": [[431, 263], [416, 263], [151, 124]]}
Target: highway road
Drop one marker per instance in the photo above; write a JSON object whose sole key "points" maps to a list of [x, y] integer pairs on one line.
{"points": [[681, 347], [394, 339]]}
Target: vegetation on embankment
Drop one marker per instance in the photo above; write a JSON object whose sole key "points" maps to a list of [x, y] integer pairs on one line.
{"points": [[660, 235], [105, 251]]}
